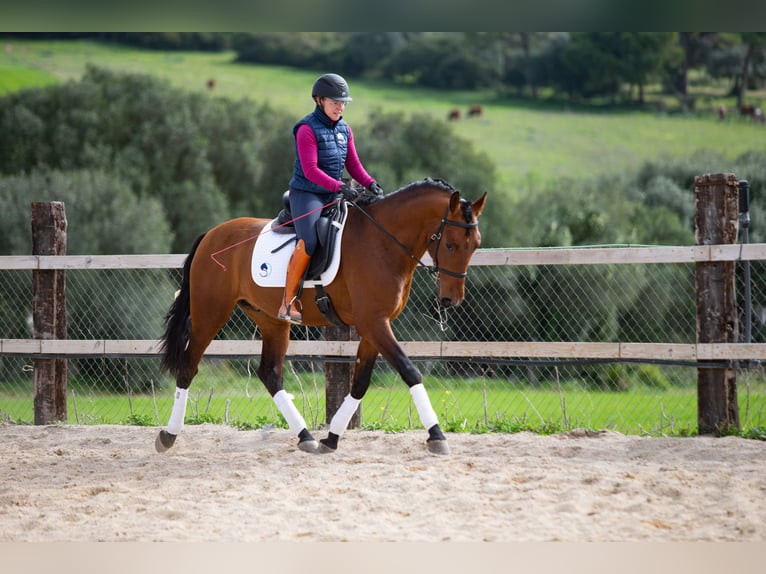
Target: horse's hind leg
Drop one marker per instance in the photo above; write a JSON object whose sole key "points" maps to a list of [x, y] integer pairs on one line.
{"points": [[202, 333], [167, 437], [276, 338]]}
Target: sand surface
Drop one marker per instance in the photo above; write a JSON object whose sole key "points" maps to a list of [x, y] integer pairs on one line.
{"points": [[107, 483]]}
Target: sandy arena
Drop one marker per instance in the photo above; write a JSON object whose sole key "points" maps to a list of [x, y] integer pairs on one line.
{"points": [[107, 483]]}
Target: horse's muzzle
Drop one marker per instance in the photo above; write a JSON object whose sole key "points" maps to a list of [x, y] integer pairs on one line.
{"points": [[446, 302]]}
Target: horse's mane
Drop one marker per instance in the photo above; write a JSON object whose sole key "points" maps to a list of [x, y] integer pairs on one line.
{"points": [[442, 185]]}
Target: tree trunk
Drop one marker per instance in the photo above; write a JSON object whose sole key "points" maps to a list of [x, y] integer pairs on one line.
{"points": [[745, 76]]}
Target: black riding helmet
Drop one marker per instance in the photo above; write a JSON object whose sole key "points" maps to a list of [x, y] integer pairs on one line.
{"points": [[331, 86]]}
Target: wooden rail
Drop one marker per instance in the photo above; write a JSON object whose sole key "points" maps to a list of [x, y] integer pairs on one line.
{"points": [[415, 349], [482, 257]]}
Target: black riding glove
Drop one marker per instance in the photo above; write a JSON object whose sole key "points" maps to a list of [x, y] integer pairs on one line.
{"points": [[348, 192], [375, 188]]}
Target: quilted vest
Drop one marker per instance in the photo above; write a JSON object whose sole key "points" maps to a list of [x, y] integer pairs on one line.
{"points": [[332, 149]]}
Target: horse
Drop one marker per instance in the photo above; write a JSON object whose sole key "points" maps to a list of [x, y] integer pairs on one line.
{"points": [[383, 243]]}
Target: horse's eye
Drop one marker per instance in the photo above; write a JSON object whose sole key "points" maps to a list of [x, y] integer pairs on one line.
{"points": [[451, 247]]}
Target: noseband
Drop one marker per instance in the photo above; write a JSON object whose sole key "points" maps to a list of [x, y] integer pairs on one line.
{"points": [[437, 236]]}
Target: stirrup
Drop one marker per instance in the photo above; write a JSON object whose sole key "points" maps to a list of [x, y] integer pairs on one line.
{"points": [[286, 316]]}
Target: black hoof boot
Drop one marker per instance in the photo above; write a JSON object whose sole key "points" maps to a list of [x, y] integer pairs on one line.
{"points": [[437, 442], [164, 441], [329, 444], [306, 442]]}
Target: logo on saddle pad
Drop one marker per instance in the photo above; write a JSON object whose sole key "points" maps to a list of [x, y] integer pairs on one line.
{"points": [[272, 252]]}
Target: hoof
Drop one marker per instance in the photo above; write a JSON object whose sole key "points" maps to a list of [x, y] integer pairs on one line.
{"points": [[324, 449], [329, 443], [438, 447], [308, 445], [164, 441]]}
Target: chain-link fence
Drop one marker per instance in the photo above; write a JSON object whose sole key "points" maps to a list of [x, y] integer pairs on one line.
{"points": [[541, 303]]}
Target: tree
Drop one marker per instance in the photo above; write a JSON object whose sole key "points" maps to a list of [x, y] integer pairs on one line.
{"points": [[439, 61], [644, 54], [695, 52], [755, 45], [599, 63], [363, 51]]}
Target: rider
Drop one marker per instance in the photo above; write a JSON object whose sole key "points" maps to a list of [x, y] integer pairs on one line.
{"points": [[324, 145]]}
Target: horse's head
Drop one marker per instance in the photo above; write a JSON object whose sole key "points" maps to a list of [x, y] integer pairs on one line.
{"points": [[452, 246]]}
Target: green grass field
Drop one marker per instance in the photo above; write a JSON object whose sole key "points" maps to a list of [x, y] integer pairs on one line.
{"points": [[530, 142], [463, 405]]}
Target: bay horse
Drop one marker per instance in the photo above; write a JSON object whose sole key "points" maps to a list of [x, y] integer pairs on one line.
{"points": [[382, 244]]}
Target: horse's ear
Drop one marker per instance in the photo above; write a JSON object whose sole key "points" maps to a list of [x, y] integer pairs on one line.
{"points": [[478, 205], [454, 201]]}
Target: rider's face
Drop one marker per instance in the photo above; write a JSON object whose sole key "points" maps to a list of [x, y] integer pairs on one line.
{"points": [[333, 108]]}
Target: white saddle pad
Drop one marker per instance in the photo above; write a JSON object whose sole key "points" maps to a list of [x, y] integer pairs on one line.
{"points": [[269, 267]]}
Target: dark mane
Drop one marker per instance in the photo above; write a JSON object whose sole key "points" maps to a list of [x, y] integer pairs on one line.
{"points": [[444, 186], [429, 182]]}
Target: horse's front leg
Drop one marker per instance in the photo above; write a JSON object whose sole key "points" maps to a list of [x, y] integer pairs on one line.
{"points": [[437, 442], [382, 341], [366, 355], [397, 358], [276, 339]]}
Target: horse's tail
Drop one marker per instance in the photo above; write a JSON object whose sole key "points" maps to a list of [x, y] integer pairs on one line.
{"points": [[178, 322]]}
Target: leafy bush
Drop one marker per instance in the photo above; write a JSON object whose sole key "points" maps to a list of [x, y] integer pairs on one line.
{"points": [[202, 157]]}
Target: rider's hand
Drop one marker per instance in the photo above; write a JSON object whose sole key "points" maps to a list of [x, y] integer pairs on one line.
{"points": [[375, 188], [348, 192]]}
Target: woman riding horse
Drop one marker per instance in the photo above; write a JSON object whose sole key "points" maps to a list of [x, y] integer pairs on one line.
{"points": [[324, 145]]}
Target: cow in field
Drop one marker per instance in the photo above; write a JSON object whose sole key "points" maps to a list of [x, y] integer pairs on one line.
{"points": [[475, 111]]}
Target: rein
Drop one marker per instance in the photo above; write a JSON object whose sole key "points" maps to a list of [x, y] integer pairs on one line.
{"points": [[437, 236], [255, 237]]}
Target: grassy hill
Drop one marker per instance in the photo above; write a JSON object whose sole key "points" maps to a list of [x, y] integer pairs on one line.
{"points": [[530, 143]]}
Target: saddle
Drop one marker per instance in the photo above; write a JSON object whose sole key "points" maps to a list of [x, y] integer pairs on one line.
{"points": [[327, 227]]}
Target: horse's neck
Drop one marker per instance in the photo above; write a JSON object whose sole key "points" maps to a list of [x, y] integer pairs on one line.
{"points": [[412, 220]]}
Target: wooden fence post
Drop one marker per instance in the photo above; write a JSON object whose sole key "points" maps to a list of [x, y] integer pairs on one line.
{"points": [[49, 311], [339, 376], [715, 223]]}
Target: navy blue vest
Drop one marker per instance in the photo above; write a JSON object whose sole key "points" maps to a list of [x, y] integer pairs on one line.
{"points": [[332, 149]]}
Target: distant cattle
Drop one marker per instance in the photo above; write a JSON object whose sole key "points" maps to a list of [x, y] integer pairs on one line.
{"points": [[211, 84], [475, 111], [722, 111], [454, 115], [753, 112], [747, 110]]}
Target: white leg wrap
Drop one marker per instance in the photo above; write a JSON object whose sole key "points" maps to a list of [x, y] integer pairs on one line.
{"points": [[423, 405], [286, 406], [342, 416], [176, 422]]}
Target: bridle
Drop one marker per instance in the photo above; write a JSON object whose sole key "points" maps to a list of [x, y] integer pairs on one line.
{"points": [[437, 237]]}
